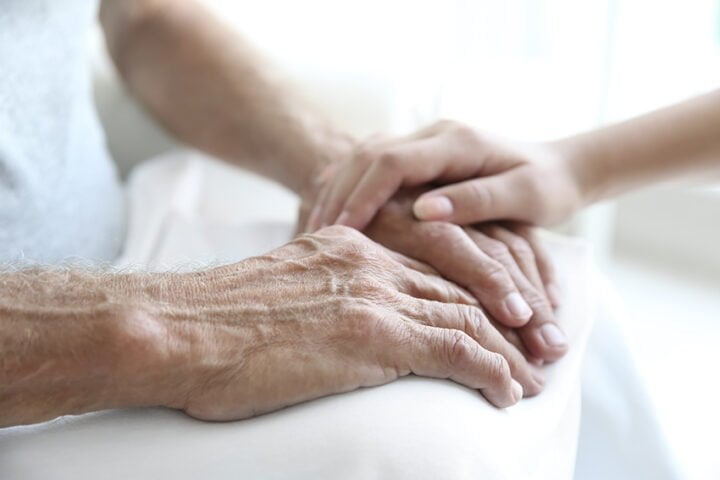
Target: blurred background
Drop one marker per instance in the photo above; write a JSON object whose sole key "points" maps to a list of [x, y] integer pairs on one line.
{"points": [[529, 69]]}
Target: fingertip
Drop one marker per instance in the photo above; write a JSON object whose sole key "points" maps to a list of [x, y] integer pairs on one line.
{"points": [[517, 391], [547, 342]]}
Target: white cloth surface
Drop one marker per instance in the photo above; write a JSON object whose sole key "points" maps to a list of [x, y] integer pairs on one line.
{"points": [[414, 428], [620, 435]]}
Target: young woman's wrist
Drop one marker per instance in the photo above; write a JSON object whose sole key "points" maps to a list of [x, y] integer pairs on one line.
{"points": [[578, 157]]}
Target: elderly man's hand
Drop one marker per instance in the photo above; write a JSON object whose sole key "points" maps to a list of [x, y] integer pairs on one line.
{"points": [[329, 312], [489, 260]]}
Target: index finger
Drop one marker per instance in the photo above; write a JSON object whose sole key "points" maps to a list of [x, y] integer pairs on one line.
{"points": [[406, 165]]}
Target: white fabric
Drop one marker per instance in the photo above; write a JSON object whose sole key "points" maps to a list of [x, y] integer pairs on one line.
{"points": [[620, 435], [414, 428], [60, 198]]}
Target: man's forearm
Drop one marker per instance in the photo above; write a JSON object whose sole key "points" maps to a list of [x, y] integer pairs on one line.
{"points": [[678, 140], [203, 82], [74, 342]]}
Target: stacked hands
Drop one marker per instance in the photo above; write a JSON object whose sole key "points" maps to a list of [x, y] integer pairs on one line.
{"points": [[473, 302], [418, 253], [427, 282]]}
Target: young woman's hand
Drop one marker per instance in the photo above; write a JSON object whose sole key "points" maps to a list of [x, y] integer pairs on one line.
{"points": [[484, 178]]}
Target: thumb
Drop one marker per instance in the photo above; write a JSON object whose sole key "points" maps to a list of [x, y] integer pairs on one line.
{"points": [[507, 196]]}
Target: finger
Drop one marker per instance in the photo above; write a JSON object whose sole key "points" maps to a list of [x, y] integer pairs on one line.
{"points": [[474, 322], [412, 263], [371, 192], [504, 196], [449, 250], [313, 222], [431, 287], [519, 249], [541, 335], [511, 335], [448, 353], [343, 185], [410, 164], [542, 258]]}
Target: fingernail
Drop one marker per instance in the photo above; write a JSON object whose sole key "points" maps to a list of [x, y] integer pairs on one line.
{"points": [[553, 293], [553, 336], [517, 391], [518, 307], [433, 208], [342, 218]]}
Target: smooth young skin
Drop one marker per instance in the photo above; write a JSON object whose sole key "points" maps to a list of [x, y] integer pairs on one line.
{"points": [[218, 344], [542, 183]]}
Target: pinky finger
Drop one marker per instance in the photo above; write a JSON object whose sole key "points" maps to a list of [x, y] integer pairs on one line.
{"points": [[447, 353]]}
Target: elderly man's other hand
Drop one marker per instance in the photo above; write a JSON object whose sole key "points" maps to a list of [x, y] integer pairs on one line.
{"points": [[491, 260], [330, 312]]}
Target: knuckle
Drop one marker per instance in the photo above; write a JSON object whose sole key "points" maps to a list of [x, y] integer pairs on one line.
{"points": [[459, 349], [495, 275], [481, 196], [497, 250], [498, 369], [474, 322], [538, 303], [533, 296]]}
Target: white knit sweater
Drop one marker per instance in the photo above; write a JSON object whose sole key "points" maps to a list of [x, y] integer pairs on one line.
{"points": [[60, 198]]}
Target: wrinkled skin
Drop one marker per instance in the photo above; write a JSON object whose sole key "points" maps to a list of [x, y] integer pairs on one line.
{"points": [[353, 315], [488, 260]]}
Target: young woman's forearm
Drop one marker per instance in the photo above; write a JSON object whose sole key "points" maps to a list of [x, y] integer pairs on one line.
{"points": [[677, 140], [206, 85]]}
